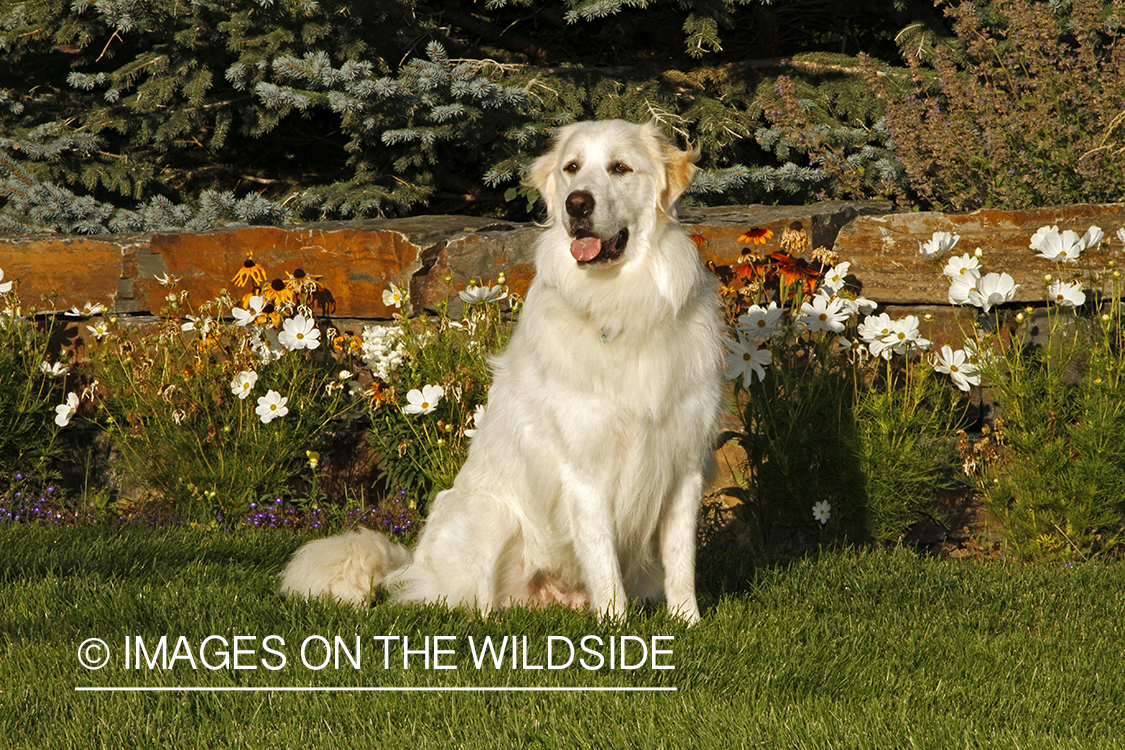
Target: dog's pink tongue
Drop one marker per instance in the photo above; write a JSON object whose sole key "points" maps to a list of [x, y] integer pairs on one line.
{"points": [[585, 248]]}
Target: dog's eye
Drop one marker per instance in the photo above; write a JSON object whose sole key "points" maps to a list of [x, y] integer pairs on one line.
{"points": [[571, 167], [619, 168]]}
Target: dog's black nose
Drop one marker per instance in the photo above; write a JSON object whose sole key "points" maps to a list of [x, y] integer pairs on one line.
{"points": [[579, 204]]}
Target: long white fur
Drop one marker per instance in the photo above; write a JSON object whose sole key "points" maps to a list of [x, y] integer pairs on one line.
{"points": [[584, 483]]}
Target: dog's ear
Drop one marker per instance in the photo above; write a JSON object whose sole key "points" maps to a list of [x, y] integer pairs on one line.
{"points": [[540, 175], [679, 171]]}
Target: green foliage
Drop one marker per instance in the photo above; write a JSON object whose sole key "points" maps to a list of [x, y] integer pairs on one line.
{"points": [[422, 452], [29, 435], [188, 434], [876, 649], [904, 449], [120, 115], [842, 137], [1055, 475], [842, 442], [1023, 107]]}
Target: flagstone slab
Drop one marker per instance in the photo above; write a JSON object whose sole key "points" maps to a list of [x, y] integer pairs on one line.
{"points": [[885, 258], [436, 256]]}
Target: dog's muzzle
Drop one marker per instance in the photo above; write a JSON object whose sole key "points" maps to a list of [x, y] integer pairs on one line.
{"points": [[587, 246]]}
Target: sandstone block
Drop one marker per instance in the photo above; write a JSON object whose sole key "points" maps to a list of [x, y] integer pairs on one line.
{"points": [[885, 258]]}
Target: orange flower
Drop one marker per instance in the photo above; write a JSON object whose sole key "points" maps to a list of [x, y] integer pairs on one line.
{"points": [[300, 282], [278, 293], [793, 271], [348, 342], [756, 236], [250, 271]]}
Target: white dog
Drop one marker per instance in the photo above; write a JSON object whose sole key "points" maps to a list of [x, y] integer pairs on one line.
{"points": [[584, 484]]}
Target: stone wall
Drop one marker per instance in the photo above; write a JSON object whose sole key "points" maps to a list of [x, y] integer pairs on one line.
{"points": [[358, 259]]}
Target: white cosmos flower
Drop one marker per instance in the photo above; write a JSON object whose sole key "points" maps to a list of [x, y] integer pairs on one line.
{"points": [[905, 335], [100, 330], [243, 383], [88, 310], [54, 369], [423, 401], [957, 365], [823, 314], [822, 511], [265, 344], [272, 406], [759, 323], [960, 287], [834, 279], [746, 358], [1066, 295], [1058, 247], [962, 265], [65, 411], [980, 357], [993, 289], [938, 245], [1092, 237], [203, 325], [1040, 233], [858, 306], [393, 297], [254, 307], [875, 331], [1120, 236], [6, 286], [477, 419], [480, 295], [299, 332]]}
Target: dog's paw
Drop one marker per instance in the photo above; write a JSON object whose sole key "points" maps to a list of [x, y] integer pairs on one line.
{"points": [[687, 612]]}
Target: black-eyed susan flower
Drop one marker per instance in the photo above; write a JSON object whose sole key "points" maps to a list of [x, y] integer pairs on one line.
{"points": [[300, 282], [756, 236], [279, 294], [250, 272], [793, 271]]}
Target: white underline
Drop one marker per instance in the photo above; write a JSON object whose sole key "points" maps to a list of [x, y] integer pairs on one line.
{"points": [[368, 689]]}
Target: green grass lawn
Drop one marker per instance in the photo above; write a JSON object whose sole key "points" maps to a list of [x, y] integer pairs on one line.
{"points": [[878, 649]]}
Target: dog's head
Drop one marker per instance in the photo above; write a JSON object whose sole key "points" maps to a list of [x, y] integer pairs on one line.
{"points": [[607, 182]]}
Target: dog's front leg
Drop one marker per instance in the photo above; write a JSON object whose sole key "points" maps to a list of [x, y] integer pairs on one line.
{"points": [[592, 529], [678, 526]]}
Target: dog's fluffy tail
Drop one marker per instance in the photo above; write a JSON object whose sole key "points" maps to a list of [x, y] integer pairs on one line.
{"points": [[347, 567]]}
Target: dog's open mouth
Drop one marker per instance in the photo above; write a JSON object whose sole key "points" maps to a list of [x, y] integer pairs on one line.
{"points": [[587, 247]]}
